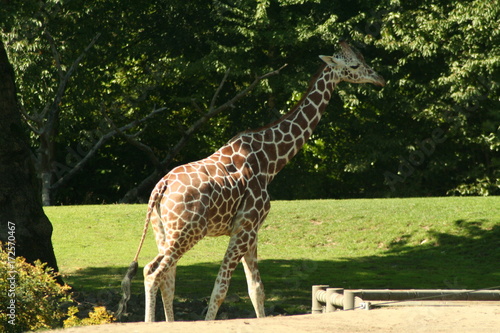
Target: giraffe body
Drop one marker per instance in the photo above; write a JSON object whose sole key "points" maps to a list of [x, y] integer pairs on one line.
{"points": [[226, 193]]}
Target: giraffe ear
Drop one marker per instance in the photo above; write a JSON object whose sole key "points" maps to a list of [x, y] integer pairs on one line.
{"points": [[330, 60]]}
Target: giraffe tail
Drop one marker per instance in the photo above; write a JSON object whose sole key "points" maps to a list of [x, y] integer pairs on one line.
{"points": [[134, 265], [126, 282]]}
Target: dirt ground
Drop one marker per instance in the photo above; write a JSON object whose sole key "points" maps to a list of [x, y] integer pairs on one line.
{"points": [[475, 317]]}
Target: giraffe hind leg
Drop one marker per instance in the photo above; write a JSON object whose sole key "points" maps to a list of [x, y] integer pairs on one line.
{"points": [[151, 286], [167, 288], [255, 286], [159, 273]]}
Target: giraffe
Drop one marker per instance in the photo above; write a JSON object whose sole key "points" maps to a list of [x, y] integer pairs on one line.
{"points": [[226, 193]]}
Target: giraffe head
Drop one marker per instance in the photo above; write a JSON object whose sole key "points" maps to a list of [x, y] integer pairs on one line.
{"points": [[351, 66]]}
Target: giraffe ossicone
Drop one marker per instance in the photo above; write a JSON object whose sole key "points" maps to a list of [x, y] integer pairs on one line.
{"points": [[226, 193]]}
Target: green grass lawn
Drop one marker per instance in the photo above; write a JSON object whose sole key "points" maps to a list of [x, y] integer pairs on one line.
{"points": [[451, 242]]}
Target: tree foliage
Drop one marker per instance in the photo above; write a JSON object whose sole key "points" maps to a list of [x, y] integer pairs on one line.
{"points": [[433, 130]]}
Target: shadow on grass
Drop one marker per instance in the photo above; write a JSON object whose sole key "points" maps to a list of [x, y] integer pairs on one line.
{"points": [[468, 260]]}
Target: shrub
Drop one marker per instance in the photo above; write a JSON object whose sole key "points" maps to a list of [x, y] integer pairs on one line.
{"points": [[98, 317], [30, 298]]}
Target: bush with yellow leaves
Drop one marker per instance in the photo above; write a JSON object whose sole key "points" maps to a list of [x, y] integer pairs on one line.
{"points": [[30, 297], [97, 317]]}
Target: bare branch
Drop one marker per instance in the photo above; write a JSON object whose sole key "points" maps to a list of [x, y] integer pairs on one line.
{"points": [[140, 121], [105, 137], [149, 181], [217, 92], [28, 119], [80, 57], [27, 116], [131, 139], [64, 179], [55, 53], [213, 112], [52, 107], [196, 106], [245, 91]]}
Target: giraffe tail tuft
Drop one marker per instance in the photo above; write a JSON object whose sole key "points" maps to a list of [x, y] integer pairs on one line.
{"points": [[132, 269], [122, 306]]}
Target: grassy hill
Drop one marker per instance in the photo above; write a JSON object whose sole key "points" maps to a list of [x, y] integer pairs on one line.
{"points": [[450, 242]]}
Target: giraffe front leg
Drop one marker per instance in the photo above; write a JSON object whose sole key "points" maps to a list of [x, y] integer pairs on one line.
{"points": [[218, 295], [255, 286], [233, 255]]}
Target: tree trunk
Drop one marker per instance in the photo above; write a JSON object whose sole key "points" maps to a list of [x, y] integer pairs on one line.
{"points": [[45, 158], [23, 222]]}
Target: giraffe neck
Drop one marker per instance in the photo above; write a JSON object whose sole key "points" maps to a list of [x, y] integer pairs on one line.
{"points": [[281, 140]]}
